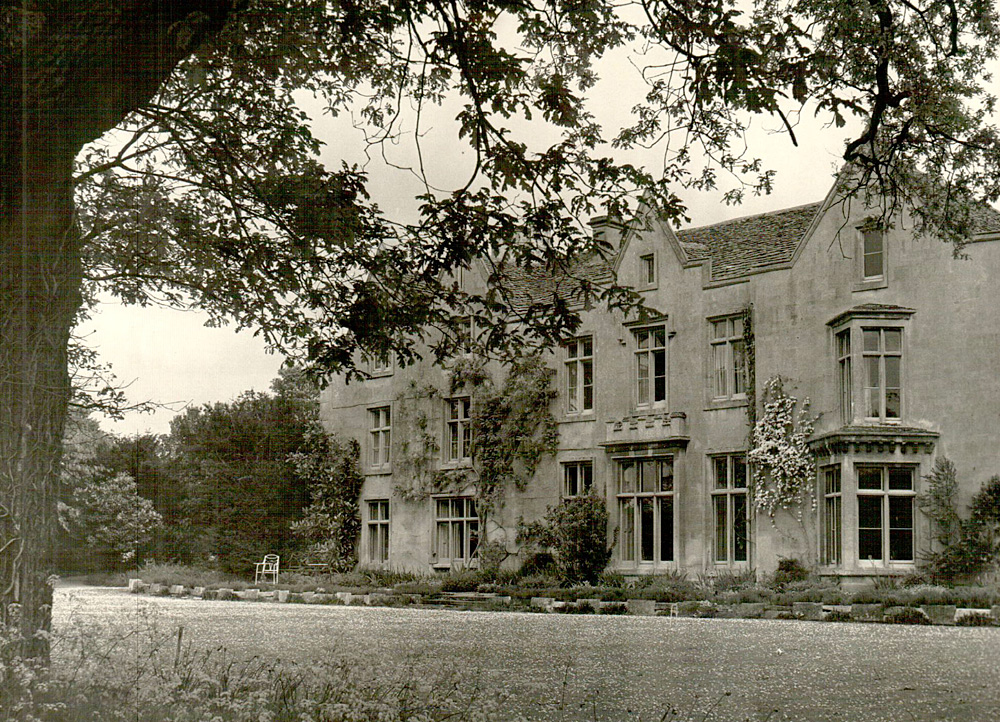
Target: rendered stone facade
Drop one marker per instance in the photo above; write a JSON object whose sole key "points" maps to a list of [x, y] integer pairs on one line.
{"points": [[894, 341]]}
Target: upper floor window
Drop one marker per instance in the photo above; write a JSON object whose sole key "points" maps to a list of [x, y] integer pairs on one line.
{"points": [[729, 364], [650, 365], [882, 353], [646, 510], [459, 442], [380, 425], [647, 270], [729, 506], [886, 499], [580, 375], [578, 478], [380, 365], [873, 254], [844, 372]]}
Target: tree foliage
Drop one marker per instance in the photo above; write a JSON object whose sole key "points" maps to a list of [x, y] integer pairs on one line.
{"points": [[213, 193], [331, 523]]}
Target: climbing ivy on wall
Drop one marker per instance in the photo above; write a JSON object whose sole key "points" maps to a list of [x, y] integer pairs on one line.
{"points": [[512, 429], [782, 465], [750, 355]]}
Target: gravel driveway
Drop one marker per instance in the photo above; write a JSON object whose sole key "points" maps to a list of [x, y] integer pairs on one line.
{"points": [[562, 667]]}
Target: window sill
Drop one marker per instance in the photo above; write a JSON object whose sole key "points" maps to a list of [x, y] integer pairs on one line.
{"points": [[871, 284], [378, 471], [457, 464], [572, 416], [735, 402]]}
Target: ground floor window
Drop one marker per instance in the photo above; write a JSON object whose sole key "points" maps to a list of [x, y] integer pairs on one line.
{"points": [[456, 538], [578, 478], [832, 515], [646, 509], [378, 531], [886, 497], [729, 506]]}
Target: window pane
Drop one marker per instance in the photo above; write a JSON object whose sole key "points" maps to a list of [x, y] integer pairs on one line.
{"points": [[738, 326], [572, 386], [873, 265], [892, 372], [443, 548], [642, 377], [832, 476], [872, 365], [831, 521], [458, 540], [647, 528], [659, 337], [721, 356], [659, 375], [666, 529], [844, 343], [588, 385], [586, 477], [720, 329], [588, 347], [650, 475], [442, 508], [721, 550], [869, 337], [739, 367], [473, 539], [900, 478], [893, 340], [667, 474], [892, 404], [457, 508], [740, 542], [869, 477], [571, 488], [627, 516], [642, 339], [571, 350], [870, 527], [739, 472], [721, 473], [901, 528], [628, 474]]}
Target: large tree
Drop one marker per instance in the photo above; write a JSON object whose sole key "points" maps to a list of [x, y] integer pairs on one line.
{"points": [[210, 192]]}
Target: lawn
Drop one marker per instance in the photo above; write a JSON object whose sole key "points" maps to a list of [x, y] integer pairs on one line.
{"points": [[556, 667]]}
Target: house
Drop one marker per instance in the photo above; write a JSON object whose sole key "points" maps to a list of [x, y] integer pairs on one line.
{"points": [[894, 342]]}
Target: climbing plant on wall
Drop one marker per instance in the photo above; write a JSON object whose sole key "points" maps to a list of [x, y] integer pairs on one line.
{"points": [[512, 429], [783, 466]]}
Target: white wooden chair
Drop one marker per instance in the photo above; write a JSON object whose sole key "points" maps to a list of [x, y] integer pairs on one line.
{"points": [[267, 570]]}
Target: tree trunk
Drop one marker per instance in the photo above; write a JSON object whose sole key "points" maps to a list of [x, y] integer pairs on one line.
{"points": [[70, 71], [40, 281]]}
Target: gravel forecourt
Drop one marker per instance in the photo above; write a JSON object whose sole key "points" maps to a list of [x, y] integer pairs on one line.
{"points": [[581, 667]]}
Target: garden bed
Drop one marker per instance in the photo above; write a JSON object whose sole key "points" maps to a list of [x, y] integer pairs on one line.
{"points": [[573, 601]]}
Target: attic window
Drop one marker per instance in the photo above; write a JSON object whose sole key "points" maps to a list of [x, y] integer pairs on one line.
{"points": [[873, 254], [647, 269]]}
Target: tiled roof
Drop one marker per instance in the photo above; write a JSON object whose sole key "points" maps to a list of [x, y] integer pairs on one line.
{"points": [[985, 219], [745, 245], [531, 287]]}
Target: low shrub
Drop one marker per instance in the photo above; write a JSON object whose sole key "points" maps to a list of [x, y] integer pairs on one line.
{"points": [[465, 580], [788, 572], [905, 615], [976, 619], [838, 615], [614, 608]]}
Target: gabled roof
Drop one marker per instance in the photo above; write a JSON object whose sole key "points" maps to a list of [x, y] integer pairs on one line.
{"points": [[575, 286], [747, 245]]}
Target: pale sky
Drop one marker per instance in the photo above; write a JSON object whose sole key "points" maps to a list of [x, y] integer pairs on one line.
{"points": [[170, 357]]}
